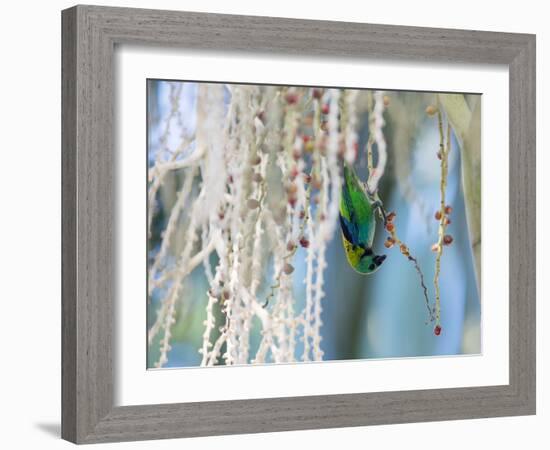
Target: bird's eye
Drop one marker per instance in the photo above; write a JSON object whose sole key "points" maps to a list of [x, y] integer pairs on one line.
{"points": [[372, 267]]}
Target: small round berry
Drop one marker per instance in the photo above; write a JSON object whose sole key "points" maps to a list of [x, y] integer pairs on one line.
{"points": [[325, 108], [447, 239], [316, 182], [293, 173], [261, 115], [437, 330], [431, 110], [391, 216], [388, 243], [447, 221], [304, 242], [448, 209], [390, 227], [290, 246], [404, 249], [317, 93], [255, 160], [435, 248], [292, 201], [292, 188], [257, 178], [291, 98], [288, 268], [439, 156], [437, 215]]}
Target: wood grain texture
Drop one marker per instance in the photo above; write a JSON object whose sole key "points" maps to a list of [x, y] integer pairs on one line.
{"points": [[68, 227], [89, 206]]}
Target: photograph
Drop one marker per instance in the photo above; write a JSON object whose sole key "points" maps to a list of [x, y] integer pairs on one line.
{"points": [[290, 224], [258, 225]]}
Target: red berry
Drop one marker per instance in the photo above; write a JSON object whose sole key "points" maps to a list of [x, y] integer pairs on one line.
{"points": [[448, 209], [447, 239], [261, 116], [292, 201], [304, 242], [316, 182], [431, 110], [306, 138], [390, 227], [292, 188], [288, 268], [437, 215], [317, 93], [325, 108], [437, 330], [291, 99], [293, 173]]}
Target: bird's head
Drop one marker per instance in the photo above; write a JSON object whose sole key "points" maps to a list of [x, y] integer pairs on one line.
{"points": [[369, 264], [362, 259]]}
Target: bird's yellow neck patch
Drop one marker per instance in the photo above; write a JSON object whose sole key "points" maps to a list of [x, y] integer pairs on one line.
{"points": [[353, 253]]}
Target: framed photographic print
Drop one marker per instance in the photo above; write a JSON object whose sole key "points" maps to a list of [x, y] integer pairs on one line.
{"points": [[268, 230]]}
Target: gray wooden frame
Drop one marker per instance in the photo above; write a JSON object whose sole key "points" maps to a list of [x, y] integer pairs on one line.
{"points": [[90, 34]]}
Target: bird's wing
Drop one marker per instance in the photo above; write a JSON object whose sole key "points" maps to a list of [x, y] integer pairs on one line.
{"points": [[349, 230], [357, 219]]}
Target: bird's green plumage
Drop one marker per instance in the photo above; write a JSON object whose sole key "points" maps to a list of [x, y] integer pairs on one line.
{"points": [[358, 224], [356, 208]]}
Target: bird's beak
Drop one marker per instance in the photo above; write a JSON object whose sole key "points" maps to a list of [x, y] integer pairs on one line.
{"points": [[379, 259]]}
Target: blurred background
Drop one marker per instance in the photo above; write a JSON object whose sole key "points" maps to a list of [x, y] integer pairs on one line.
{"points": [[378, 316]]}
